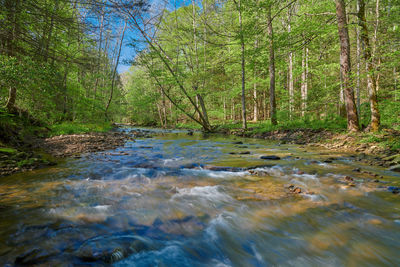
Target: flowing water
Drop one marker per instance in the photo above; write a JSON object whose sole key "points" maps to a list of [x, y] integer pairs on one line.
{"points": [[193, 200]]}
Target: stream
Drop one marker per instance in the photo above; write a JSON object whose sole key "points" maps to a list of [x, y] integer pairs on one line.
{"points": [[174, 199]]}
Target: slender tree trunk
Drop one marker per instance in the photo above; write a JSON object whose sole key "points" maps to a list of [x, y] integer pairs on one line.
{"points": [[375, 52], [255, 110], [371, 72], [96, 84], [358, 56], [164, 108], [352, 118], [265, 116], [271, 68], [224, 103], [13, 14], [395, 83], [290, 71], [115, 69], [243, 64], [233, 115], [304, 81], [50, 32]]}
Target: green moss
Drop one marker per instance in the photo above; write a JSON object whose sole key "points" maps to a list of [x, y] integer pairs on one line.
{"points": [[8, 150], [27, 162]]}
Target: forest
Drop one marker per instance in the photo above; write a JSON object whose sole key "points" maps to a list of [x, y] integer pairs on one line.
{"points": [[203, 64], [199, 133]]}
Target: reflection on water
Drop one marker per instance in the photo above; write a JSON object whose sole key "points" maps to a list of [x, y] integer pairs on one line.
{"points": [[179, 200]]}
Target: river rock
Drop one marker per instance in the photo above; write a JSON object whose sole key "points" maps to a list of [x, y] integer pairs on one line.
{"points": [[222, 168], [348, 179], [294, 189], [110, 249], [395, 168], [35, 255], [394, 189], [270, 157], [238, 143]]}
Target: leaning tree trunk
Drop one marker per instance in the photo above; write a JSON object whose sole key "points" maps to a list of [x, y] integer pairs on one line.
{"points": [[115, 70], [199, 99], [271, 69], [371, 78], [352, 118]]}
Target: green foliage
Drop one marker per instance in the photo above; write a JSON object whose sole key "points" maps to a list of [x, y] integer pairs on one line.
{"points": [[371, 138], [338, 124], [383, 139], [77, 128], [390, 113]]}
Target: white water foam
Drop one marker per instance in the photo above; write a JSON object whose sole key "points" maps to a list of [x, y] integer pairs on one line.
{"points": [[211, 193], [215, 174]]}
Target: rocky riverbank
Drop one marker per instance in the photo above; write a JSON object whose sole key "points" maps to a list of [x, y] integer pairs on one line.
{"points": [[368, 151], [73, 145], [27, 157]]}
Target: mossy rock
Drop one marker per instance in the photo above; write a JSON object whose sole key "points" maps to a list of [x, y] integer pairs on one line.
{"points": [[8, 150], [393, 158]]}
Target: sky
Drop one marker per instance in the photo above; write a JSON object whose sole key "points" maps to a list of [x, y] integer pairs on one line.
{"points": [[127, 52]]}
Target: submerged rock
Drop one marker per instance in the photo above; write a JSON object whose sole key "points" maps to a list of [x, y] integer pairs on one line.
{"points": [[271, 157], [238, 143], [395, 168], [35, 255], [294, 189], [222, 168], [111, 249], [394, 189]]}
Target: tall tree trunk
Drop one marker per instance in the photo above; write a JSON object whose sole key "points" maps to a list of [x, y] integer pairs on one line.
{"points": [[243, 65], [255, 109], [13, 14], [371, 72], [358, 57], [115, 69], [271, 68], [233, 115], [341, 104], [352, 118], [96, 84], [395, 83], [199, 98], [290, 71], [375, 52], [265, 115], [50, 32], [224, 103], [304, 81]]}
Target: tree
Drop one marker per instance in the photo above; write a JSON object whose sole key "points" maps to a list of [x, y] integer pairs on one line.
{"points": [[371, 72], [272, 99], [345, 67]]}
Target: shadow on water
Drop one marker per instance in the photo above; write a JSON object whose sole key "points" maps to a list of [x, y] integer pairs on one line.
{"points": [[170, 198]]}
